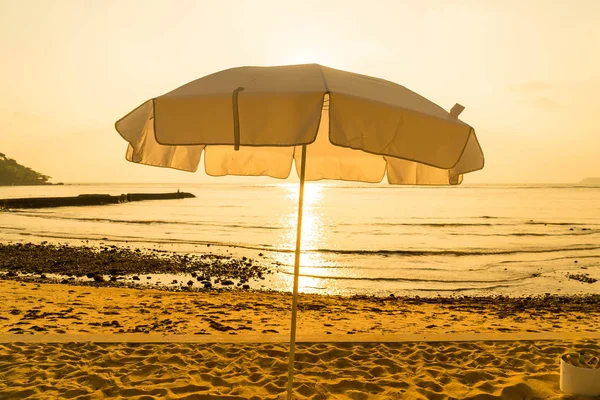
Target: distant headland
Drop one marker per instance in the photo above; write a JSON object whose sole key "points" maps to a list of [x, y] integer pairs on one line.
{"points": [[590, 181], [15, 174]]}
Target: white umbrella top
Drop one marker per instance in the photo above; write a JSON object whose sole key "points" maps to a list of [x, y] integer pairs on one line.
{"points": [[254, 120]]}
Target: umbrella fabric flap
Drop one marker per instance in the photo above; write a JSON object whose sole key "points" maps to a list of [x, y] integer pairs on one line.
{"points": [[275, 106], [384, 118], [275, 162], [138, 129], [472, 158], [327, 161], [404, 172]]}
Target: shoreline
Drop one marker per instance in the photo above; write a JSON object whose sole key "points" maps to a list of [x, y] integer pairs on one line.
{"points": [[106, 264]]}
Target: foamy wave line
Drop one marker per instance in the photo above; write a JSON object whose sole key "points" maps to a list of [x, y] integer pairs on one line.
{"points": [[525, 234], [149, 222], [394, 279], [462, 289], [457, 253]]}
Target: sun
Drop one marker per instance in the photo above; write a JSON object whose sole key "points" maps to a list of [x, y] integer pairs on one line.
{"points": [[303, 56]]}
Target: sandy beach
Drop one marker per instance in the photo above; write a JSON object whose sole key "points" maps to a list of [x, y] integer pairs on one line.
{"points": [[85, 342], [437, 370]]}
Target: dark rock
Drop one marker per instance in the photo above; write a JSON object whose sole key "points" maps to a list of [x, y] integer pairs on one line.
{"points": [[190, 283], [194, 274], [98, 278], [227, 282], [219, 326], [585, 278], [208, 285], [135, 278], [39, 328], [113, 278], [174, 282], [246, 286], [90, 274]]}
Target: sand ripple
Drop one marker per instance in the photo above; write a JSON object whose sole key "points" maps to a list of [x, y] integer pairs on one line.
{"points": [[443, 370]]}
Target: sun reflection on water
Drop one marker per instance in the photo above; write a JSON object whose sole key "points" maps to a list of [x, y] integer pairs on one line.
{"points": [[314, 235]]}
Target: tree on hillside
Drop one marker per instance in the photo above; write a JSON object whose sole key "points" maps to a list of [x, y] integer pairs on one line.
{"points": [[13, 173]]}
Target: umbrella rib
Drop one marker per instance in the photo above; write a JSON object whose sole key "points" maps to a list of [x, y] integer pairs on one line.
{"points": [[236, 119]]}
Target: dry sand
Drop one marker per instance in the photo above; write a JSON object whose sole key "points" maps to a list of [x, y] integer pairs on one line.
{"points": [[53, 344]]}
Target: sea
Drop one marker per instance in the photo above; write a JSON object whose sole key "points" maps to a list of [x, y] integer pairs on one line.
{"points": [[357, 239]]}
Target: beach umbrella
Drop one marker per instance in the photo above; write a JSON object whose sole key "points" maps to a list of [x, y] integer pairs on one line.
{"points": [[333, 124]]}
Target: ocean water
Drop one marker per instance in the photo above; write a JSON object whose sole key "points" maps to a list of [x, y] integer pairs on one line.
{"points": [[357, 239]]}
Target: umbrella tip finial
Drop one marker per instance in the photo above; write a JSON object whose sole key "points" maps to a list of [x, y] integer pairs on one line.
{"points": [[457, 109]]}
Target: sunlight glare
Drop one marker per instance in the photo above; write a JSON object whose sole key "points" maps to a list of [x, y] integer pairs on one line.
{"points": [[303, 56], [312, 235]]}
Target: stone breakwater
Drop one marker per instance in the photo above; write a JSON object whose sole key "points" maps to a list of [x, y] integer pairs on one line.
{"points": [[117, 266], [88, 200]]}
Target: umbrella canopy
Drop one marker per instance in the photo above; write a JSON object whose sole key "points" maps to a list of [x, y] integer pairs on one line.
{"points": [[257, 121], [356, 128]]}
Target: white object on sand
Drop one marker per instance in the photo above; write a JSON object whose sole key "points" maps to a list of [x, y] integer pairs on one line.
{"points": [[577, 379]]}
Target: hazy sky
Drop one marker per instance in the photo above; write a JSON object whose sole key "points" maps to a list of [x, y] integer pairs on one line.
{"points": [[528, 72]]}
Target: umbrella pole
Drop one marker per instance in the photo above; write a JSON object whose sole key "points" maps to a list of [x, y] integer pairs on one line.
{"points": [[296, 276]]}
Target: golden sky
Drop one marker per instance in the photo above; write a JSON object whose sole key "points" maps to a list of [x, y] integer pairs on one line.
{"points": [[527, 71]]}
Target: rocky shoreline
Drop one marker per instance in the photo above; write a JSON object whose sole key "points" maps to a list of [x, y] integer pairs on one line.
{"points": [[123, 267]]}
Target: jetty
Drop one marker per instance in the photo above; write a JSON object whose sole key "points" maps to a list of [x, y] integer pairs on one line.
{"points": [[88, 200]]}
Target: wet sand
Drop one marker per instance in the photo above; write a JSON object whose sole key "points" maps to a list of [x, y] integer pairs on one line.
{"points": [[29, 308]]}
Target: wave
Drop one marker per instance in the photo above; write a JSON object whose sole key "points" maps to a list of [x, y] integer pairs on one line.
{"points": [[150, 221], [520, 234], [429, 224], [394, 279], [457, 253], [462, 289], [531, 222], [364, 227]]}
